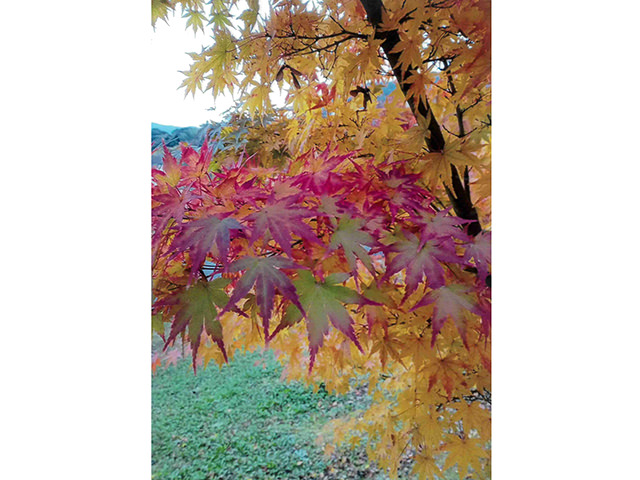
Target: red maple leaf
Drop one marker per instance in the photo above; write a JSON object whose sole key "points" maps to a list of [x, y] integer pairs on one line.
{"points": [[327, 95], [203, 236], [450, 301], [399, 191], [196, 164], [440, 225], [319, 176], [171, 204], [282, 218], [170, 173], [480, 251], [265, 274], [421, 260]]}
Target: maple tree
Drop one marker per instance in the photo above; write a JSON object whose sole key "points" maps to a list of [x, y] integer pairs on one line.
{"points": [[349, 231]]}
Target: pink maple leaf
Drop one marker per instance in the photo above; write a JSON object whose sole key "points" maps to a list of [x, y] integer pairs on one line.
{"points": [[421, 261], [265, 274], [480, 252], [282, 219], [205, 235], [450, 301]]}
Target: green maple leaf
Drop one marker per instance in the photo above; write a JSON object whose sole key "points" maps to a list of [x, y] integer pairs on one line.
{"points": [[350, 236], [196, 309], [220, 20], [195, 20], [157, 325], [160, 10], [323, 302]]}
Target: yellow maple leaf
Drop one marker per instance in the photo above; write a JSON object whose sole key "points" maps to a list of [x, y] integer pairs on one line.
{"points": [[419, 81], [464, 452], [258, 100], [425, 466], [474, 416], [446, 371], [409, 48], [210, 351], [429, 427]]}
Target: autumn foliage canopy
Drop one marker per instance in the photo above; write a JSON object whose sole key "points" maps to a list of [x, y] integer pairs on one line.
{"points": [[348, 230]]}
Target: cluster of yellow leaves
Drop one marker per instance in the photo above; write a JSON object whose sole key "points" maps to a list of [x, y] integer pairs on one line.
{"points": [[297, 46], [423, 400]]}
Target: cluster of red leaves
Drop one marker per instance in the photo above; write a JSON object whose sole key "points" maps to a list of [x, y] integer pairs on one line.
{"points": [[287, 244]]}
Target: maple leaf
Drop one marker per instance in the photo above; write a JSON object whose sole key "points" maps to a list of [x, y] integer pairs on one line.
{"points": [[473, 416], [445, 370], [332, 206], [156, 361], [480, 251], [350, 236], [421, 259], [408, 49], [220, 20], [160, 10], [172, 357], [442, 225], [250, 16], [202, 236], [465, 452], [167, 206], [265, 273], [460, 152], [400, 191], [282, 219], [388, 346], [258, 100], [318, 176], [425, 466], [195, 308], [323, 303], [221, 54], [195, 20], [196, 164], [429, 426], [450, 301], [327, 95], [419, 82], [171, 172]]}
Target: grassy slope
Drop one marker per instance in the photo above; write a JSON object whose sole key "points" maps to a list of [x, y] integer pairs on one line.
{"points": [[242, 422], [236, 423]]}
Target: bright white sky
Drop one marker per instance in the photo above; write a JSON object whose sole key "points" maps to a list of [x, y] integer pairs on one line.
{"points": [[169, 46]]}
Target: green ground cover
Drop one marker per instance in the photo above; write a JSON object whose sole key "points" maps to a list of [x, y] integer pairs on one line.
{"points": [[242, 422]]}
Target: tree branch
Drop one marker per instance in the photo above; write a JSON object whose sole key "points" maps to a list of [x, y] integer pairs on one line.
{"points": [[421, 109], [460, 197]]}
